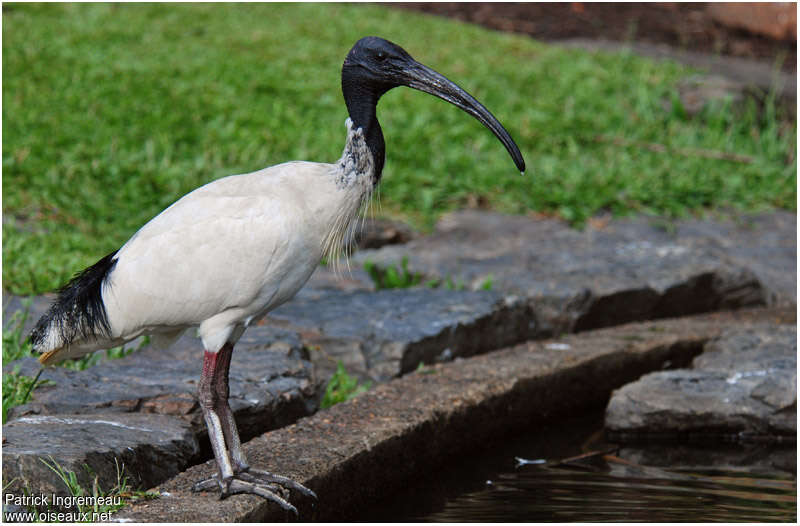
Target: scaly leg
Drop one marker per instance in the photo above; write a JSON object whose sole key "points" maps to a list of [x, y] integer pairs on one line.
{"points": [[235, 475]]}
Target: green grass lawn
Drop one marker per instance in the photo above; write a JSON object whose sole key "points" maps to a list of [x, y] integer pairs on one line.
{"points": [[111, 112]]}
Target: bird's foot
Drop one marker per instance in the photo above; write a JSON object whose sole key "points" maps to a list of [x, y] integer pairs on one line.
{"points": [[256, 482], [259, 475]]}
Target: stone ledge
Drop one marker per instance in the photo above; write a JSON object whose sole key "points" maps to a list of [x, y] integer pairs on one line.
{"points": [[383, 334], [742, 388], [143, 409], [612, 272], [270, 381], [359, 451], [151, 448]]}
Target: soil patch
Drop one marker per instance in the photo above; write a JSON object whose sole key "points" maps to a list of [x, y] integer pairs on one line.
{"points": [[684, 26]]}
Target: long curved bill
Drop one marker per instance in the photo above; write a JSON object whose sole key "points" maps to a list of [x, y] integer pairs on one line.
{"points": [[423, 78]]}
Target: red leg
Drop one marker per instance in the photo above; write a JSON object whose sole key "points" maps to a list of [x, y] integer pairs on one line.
{"points": [[211, 381], [235, 475], [223, 409]]}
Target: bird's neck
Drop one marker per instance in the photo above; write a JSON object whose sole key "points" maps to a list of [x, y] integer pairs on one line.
{"points": [[362, 101], [357, 164], [354, 179]]}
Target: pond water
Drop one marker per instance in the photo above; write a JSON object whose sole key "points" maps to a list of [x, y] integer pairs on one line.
{"points": [[565, 472]]}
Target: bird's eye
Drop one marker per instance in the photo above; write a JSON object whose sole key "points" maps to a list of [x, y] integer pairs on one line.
{"points": [[380, 55]]}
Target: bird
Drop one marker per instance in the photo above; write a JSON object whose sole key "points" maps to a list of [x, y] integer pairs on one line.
{"points": [[224, 255]]}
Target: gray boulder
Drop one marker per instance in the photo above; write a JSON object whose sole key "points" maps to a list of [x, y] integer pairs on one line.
{"points": [[142, 411], [764, 243], [743, 386], [608, 274], [387, 333], [151, 448], [270, 382]]}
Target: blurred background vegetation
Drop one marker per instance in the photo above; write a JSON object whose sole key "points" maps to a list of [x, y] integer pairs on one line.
{"points": [[112, 112]]}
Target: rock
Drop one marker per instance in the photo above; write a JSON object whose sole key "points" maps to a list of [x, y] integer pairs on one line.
{"points": [[763, 359], [390, 332], [357, 452], [142, 409], [341, 278], [376, 233], [615, 273], [744, 385], [271, 385], [766, 244], [546, 279], [150, 448]]}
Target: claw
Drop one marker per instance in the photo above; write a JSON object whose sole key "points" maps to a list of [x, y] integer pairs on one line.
{"points": [[241, 486], [256, 475], [256, 482], [208, 484]]}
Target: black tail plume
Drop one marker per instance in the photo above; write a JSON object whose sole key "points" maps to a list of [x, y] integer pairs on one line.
{"points": [[78, 311]]}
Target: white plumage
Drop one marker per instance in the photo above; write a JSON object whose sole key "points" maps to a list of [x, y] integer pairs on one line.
{"points": [[228, 252]]}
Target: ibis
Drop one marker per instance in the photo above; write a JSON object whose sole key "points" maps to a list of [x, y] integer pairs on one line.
{"points": [[227, 253]]}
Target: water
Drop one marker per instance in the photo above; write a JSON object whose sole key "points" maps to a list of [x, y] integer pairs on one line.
{"points": [[660, 483]]}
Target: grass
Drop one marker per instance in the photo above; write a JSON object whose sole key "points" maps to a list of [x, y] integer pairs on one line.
{"points": [[93, 505], [113, 111], [390, 277], [393, 277], [16, 387], [341, 387]]}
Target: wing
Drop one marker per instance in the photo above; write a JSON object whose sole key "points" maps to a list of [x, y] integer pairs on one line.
{"points": [[235, 247]]}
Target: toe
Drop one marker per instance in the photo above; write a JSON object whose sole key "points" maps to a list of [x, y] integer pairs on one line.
{"points": [[209, 484], [266, 476], [242, 486]]}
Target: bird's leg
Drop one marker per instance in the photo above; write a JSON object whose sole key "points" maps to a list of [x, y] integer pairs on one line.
{"points": [[241, 467], [208, 396], [240, 464], [223, 408], [217, 408], [235, 475]]}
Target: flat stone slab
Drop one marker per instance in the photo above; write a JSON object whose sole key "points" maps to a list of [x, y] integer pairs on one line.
{"points": [[150, 447], [387, 333], [764, 243], [143, 409], [342, 278], [270, 383], [610, 273], [378, 232], [359, 452], [743, 386]]}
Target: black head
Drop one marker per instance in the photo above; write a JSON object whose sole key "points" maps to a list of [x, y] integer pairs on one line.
{"points": [[378, 62], [374, 66]]}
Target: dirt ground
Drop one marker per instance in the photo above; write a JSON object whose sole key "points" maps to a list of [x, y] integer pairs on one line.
{"points": [[681, 25]]}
